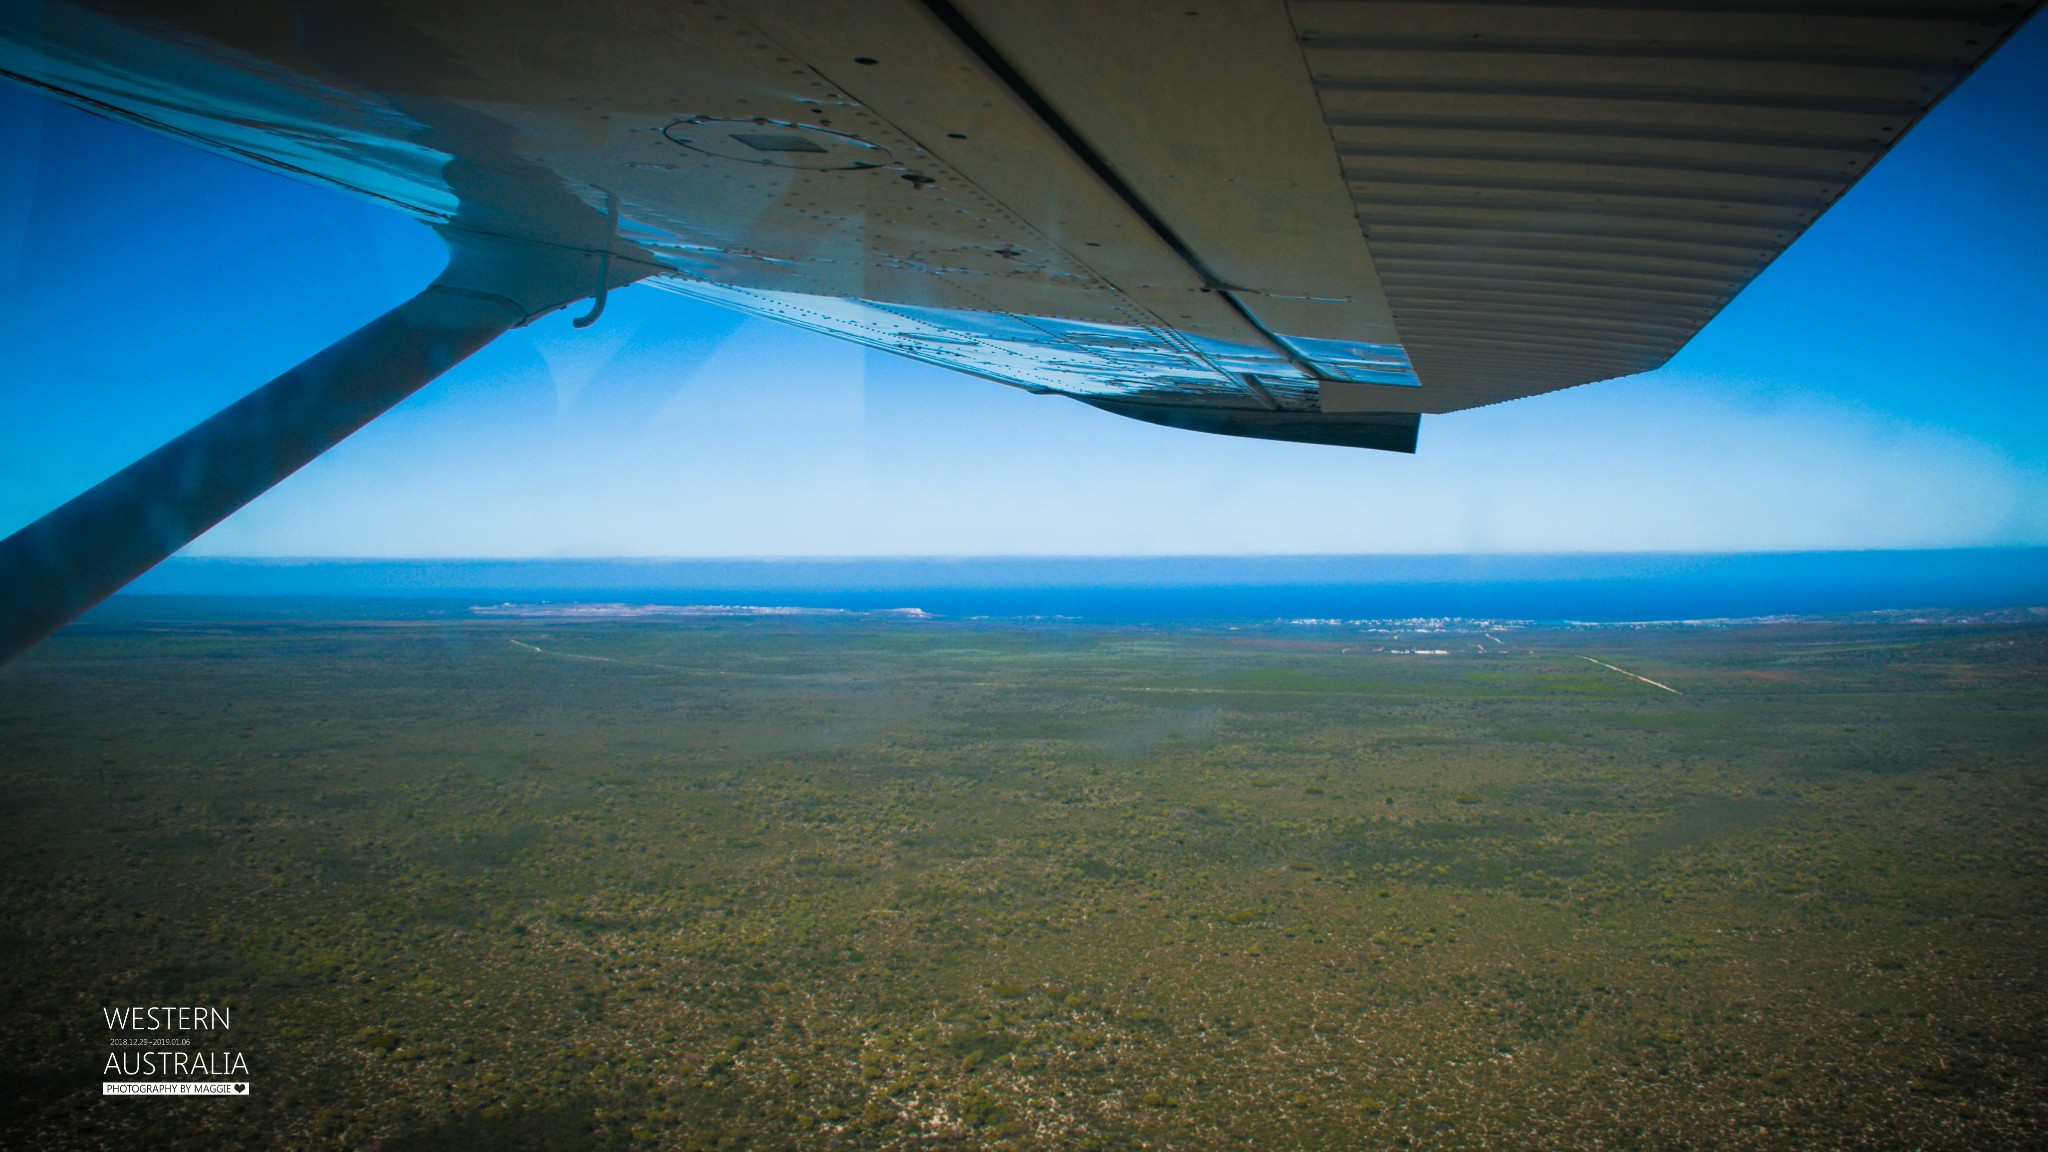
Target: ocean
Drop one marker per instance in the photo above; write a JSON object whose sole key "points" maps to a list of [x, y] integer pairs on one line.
{"points": [[1550, 588]]}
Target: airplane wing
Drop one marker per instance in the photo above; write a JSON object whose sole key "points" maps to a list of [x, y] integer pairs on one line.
{"points": [[1309, 220], [1304, 213]]}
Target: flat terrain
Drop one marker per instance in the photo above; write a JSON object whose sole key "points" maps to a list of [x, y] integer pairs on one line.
{"points": [[852, 883]]}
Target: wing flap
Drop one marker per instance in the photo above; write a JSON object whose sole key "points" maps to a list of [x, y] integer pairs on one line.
{"points": [[1558, 192]]}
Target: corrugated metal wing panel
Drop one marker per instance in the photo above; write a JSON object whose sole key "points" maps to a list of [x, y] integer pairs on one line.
{"points": [[1561, 191]]}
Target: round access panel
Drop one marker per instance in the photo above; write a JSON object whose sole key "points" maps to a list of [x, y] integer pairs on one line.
{"points": [[777, 144]]}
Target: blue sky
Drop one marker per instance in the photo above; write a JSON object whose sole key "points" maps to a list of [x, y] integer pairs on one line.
{"points": [[1881, 386]]}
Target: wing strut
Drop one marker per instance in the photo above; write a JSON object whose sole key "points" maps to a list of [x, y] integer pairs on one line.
{"points": [[86, 550]]}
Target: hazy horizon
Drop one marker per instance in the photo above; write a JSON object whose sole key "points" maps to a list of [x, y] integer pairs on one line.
{"points": [[1611, 587]]}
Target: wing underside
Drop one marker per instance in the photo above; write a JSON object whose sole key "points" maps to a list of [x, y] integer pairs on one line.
{"points": [[1308, 220]]}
